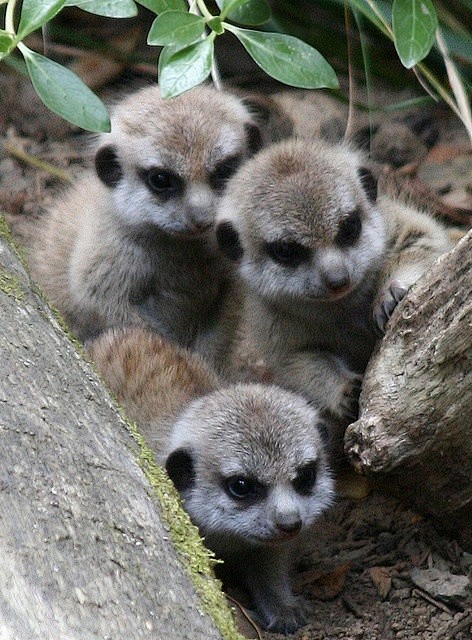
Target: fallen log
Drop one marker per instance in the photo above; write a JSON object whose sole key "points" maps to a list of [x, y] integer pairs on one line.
{"points": [[414, 433], [93, 541]]}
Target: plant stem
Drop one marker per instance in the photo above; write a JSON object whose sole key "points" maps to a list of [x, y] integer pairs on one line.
{"points": [[199, 8], [10, 17], [381, 18], [33, 161], [457, 86], [203, 10]]}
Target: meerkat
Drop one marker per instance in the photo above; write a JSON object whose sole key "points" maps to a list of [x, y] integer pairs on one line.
{"points": [[133, 242], [248, 460], [324, 261]]}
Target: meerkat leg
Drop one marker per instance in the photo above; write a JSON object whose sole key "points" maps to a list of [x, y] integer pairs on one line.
{"points": [[268, 580], [418, 242], [324, 378]]}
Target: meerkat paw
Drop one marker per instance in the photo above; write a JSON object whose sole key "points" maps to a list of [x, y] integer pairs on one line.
{"points": [[386, 304], [350, 399], [287, 619]]}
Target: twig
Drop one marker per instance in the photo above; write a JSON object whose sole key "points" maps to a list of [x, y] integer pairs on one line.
{"points": [[33, 161], [352, 83], [245, 613], [352, 607], [431, 600]]}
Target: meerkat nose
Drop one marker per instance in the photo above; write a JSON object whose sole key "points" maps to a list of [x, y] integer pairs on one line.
{"points": [[337, 282], [289, 525], [201, 225]]}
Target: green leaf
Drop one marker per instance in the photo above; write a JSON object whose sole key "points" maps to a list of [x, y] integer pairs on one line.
{"points": [[7, 42], [64, 93], [176, 28], [35, 13], [287, 59], [216, 25], [414, 25], [248, 12], [159, 6], [180, 70], [366, 9], [107, 8]]}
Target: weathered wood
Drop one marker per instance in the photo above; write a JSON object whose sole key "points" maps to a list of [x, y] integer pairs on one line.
{"points": [[414, 434], [85, 544]]}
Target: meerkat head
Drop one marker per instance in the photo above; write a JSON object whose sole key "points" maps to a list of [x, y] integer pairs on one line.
{"points": [[251, 466], [300, 220], [166, 162]]}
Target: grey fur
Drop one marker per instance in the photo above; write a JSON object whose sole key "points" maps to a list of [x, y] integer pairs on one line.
{"points": [[210, 437], [134, 242], [314, 319], [271, 437]]}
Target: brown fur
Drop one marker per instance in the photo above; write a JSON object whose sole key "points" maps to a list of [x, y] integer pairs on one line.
{"points": [[151, 377]]}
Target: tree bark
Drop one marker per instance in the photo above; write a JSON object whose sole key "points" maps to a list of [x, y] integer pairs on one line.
{"points": [[414, 434], [85, 544]]}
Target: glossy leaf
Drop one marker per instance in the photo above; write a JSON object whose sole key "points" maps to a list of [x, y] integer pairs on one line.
{"points": [[35, 13], [414, 25], [216, 25], [248, 12], [180, 70], [107, 8], [287, 59], [379, 19], [159, 6], [7, 42], [64, 93], [176, 28]]}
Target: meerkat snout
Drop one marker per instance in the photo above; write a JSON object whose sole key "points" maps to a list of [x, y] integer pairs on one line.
{"points": [[251, 466], [325, 260], [287, 516], [249, 460]]}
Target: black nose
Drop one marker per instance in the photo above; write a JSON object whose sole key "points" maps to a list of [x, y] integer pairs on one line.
{"points": [[289, 526], [338, 282]]}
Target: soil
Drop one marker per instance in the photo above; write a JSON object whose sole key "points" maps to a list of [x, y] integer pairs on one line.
{"points": [[375, 569]]}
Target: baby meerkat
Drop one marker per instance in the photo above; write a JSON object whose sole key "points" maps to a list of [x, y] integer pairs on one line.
{"points": [[133, 241], [248, 460], [324, 262]]}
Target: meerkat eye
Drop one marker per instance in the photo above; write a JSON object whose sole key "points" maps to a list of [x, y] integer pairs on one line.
{"points": [[349, 229], [223, 172], [306, 478], [162, 182], [289, 254], [241, 488]]}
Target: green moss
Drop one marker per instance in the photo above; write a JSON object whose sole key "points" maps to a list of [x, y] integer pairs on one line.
{"points": [[11, 285], [198, 560], [6, 233]]}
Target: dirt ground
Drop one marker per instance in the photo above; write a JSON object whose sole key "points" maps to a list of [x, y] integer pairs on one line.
{"points": [[375, 570]]}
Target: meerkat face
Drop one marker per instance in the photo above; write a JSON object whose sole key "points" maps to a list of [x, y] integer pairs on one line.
{"points": [[300, 220], [166, 162], [251, 466]]}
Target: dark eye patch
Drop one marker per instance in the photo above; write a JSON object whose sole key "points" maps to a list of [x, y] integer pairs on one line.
{"points": [[223, 172], [349, 229], [162, 182], [242, 488], [287, 253], [306, 478]]}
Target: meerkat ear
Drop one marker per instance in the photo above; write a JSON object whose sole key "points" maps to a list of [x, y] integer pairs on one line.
{"points": [[275, 124], [254, 137], [228, 241], [369, 183], [107, 166], [180, 468]]}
